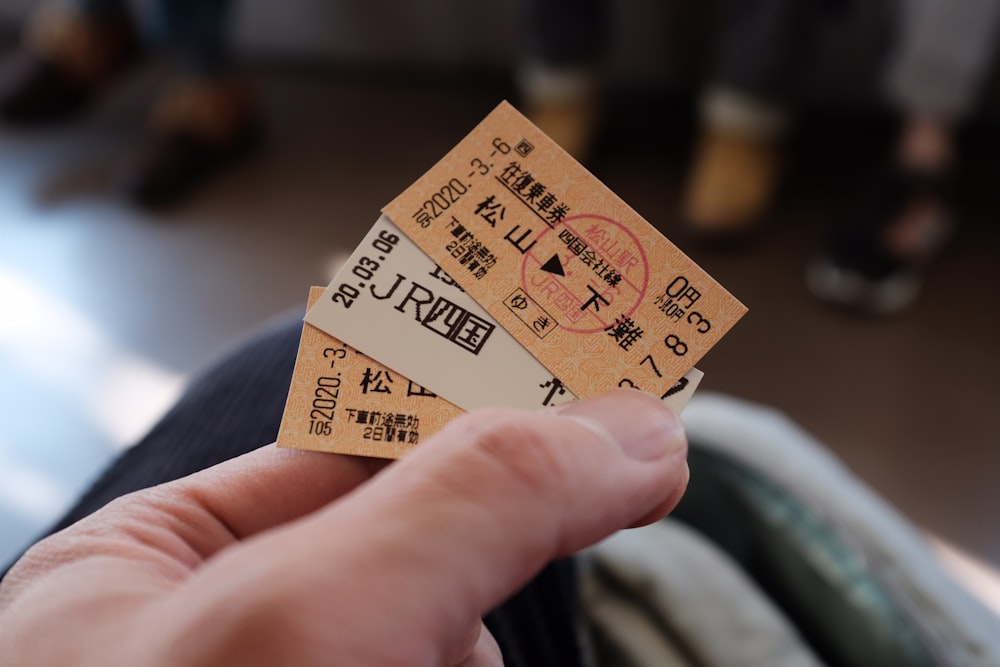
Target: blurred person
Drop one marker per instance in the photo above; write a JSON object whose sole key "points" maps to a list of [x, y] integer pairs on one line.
{"points": [[73, 51], [941, 55], [745, 107]]}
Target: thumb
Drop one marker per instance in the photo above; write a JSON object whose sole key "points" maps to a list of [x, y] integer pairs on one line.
{"points": [[466, 519], [503, 492]]}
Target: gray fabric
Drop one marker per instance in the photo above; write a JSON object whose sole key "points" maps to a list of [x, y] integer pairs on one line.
{"points": [[942, 57], [665, 596], [661, 596], [623, 632], [960, 629]]}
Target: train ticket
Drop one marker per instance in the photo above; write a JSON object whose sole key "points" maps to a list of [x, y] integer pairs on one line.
{"points": [[392, 302], [342, 401], [580, 279]]}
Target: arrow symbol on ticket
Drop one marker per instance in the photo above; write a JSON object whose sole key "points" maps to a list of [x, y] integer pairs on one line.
{"points": [[554, 266]]}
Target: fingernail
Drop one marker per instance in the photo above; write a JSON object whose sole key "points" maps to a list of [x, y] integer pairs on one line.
{"points": [[638, 423]]}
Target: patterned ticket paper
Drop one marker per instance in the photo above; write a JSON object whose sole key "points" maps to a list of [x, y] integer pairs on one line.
{"points": [[581, 280], [394, 304], [344, 402], [341, 401]]}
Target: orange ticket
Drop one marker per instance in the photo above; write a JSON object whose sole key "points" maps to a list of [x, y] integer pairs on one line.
{"points": [[341, 401], [580, 279]]}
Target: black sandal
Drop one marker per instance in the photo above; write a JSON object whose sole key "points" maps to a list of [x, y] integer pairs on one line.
{"points": [[861, 269]]}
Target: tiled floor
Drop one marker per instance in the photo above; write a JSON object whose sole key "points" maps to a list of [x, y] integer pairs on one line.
{"points": [[105, 310]]}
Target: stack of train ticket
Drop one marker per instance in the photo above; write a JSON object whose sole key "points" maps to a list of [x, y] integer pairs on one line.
{"points": [[507, 275]]}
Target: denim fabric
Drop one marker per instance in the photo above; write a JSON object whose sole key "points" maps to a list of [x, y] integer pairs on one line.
{"points": [[197, 29]]}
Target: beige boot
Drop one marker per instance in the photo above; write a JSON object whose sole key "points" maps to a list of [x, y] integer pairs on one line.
{"points": [[566, 104], [732, 183], [736, 168]]}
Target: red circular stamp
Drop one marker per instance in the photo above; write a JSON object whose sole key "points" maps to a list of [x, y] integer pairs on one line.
{"points": [[587, 272]]}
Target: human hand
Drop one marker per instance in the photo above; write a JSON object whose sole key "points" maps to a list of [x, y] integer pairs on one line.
{"points": [[284, 557]]}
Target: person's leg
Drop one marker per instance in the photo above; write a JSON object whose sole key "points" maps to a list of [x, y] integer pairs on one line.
{"points": [[103, 9], [760, 46], [559, 74], [538, 627], [205, 119], [231, 409], [198, 30], [236, 407], [941, 60], [70, 52], [942, 56], [757, 74], [566, 33]]}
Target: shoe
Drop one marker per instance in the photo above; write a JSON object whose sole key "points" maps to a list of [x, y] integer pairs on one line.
{"points": [[875, 264], [572, 124], [198, 128], [732, 182], [65, 60], [565, 104]]}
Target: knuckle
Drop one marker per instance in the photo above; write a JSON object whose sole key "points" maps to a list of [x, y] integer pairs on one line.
{"points": [[521, 453]]}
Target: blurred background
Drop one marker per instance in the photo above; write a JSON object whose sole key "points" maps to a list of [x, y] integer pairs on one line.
{"points": [[108, 307]]}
